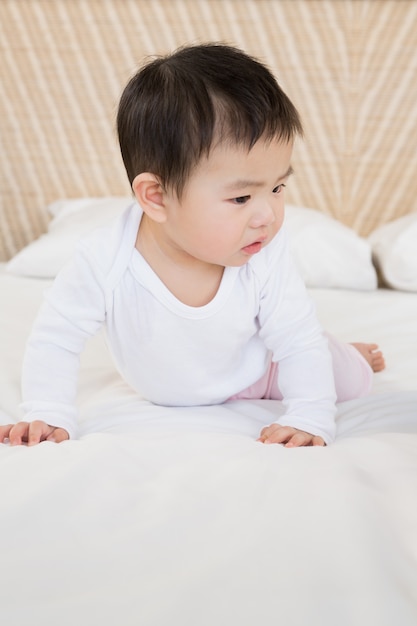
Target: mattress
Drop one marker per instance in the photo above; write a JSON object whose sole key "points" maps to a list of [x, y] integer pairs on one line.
{"points": [[170, 516]]}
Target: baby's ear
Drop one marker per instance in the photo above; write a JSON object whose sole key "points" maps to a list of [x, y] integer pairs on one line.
{"points": [[150, 196]]}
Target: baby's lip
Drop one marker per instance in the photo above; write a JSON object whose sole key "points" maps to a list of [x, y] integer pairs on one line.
{"points": [[254, 246], [258, 240]]}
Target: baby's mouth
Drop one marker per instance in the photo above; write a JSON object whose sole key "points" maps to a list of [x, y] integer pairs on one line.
{"points": [[253, 248]]}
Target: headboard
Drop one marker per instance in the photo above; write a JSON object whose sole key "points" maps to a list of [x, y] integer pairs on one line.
{"points": [[348, 65]]}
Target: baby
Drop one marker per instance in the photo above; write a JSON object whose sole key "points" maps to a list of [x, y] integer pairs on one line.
{"points": [[194, 284]]}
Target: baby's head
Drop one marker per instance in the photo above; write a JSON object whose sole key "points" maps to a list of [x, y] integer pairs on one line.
{"points": [[178, 107]]}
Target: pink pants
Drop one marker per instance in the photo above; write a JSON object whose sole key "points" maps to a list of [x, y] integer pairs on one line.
{"points": [[353, 375]]}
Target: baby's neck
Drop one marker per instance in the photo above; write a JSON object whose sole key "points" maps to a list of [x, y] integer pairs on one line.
{"points": [[191, 281]]}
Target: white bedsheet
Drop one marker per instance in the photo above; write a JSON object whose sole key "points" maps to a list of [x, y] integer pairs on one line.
{"points": [[163, 517]]}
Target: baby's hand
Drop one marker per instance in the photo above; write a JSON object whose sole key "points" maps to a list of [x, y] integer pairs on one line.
{"points": [[291, 437], [31, 433]]}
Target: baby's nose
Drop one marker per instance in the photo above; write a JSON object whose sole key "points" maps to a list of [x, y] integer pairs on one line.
{"points": [[264, 216]]}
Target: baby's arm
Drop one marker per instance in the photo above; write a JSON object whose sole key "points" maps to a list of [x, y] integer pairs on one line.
{"points": [[73, 311], [31, 433], [305, 379], [290, 329]]}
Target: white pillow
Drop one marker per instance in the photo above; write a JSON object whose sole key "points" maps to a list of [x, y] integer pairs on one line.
{"points": [[72, 219], [394, 246], [328, 253]]}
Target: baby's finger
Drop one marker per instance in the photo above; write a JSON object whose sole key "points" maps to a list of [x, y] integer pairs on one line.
{"points": [[318, 441], [58, 435], [299, 439], [18, 433], [263, 436], [279, 434], [38, 431], [4, 431], [264, 432]]}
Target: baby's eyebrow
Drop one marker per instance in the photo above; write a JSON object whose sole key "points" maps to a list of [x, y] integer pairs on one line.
{"points": [[243, 183], [288, 173]]}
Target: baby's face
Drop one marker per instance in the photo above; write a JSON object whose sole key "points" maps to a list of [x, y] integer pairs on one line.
{"points": [[233, 203]]}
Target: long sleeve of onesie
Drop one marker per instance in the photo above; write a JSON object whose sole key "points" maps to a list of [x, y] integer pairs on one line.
{"points": [[73, 310], [290, 329]]}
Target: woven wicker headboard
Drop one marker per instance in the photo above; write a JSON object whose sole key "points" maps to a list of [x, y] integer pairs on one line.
{"points": [[348, 65]]}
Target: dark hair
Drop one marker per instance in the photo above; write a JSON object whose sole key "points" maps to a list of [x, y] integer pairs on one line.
{"points": [[176, 106]]}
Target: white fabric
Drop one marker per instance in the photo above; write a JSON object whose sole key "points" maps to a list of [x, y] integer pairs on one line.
{"points": [[174, 354], [72, 220], [394, 247], [176, 516], [327, 253]]}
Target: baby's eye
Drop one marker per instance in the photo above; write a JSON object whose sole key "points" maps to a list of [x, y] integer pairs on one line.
{"points": [[241, 199], [278, 188]]}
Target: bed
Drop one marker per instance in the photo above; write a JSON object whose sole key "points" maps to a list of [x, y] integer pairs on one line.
{"points": [[162, 516]]}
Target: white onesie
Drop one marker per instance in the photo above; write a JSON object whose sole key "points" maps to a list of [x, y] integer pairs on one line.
{"points": [[174, 354]]}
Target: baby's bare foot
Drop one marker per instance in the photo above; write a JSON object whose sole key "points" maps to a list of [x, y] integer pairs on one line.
{"points": [[371, 353]]}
